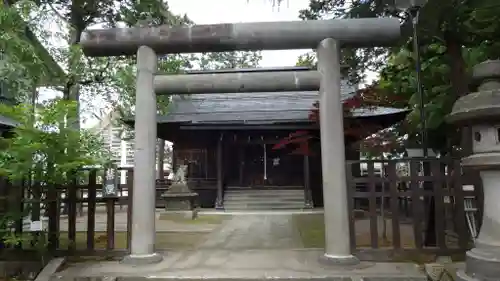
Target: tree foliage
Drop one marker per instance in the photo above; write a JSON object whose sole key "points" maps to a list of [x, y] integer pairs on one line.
{"points": [[229, 60], [41, 145], [21, 65], [454, 35], [39, 155], [93, 78], [111, 79]]}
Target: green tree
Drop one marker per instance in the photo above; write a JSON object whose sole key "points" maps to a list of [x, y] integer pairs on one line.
{"points": [[24, 63], [89, 78], [97, 78], [44, 154], [454, 35], [229, 60], [44, 144]]}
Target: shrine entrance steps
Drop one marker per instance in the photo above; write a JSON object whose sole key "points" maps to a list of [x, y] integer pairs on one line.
{"points": [[276, 198]]}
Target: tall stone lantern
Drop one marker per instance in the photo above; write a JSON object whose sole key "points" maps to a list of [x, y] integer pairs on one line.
{"points": [[481, 110]]}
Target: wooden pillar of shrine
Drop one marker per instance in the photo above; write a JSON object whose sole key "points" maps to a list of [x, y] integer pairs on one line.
{"points": [[219, 201], [308, 201], [241, 162]]}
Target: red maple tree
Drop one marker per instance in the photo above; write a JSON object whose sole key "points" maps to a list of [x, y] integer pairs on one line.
{"points": [[370, 96]]}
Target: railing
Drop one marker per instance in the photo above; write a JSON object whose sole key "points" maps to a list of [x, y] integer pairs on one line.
{"points": [[414, 206], [417, 211], [44, 226]]}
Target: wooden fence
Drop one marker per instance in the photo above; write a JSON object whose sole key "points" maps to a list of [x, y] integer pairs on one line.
{"points": [[412, 206], [71, 228]]}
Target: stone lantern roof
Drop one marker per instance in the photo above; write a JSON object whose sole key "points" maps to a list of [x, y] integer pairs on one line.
{"points": [[482, 106]]}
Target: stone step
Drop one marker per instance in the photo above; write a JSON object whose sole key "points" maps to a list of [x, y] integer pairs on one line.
{"points": [[265, 190], [264, 207], [260, 199], [264, 199], [257, 200], [264, 203], [272, 199], [280, 195], [264, 194], [267, 199]]}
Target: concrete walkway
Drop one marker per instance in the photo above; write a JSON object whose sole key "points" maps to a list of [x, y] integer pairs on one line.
{"points": [[249, 247], [255, 231], [247, 265]]}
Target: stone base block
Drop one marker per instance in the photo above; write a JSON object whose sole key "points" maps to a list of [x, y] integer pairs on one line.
{"points": [[461, 276], [137, 260], [348, 262], [178, 205], [173, 215], [483, 263], [179, 198]]}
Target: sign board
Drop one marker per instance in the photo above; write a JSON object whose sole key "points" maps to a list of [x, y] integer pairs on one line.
{"points": [[36, 226], [110, 182]]}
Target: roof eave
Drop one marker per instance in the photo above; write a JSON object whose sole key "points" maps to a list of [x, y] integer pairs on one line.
{"points": [[129, 121]]}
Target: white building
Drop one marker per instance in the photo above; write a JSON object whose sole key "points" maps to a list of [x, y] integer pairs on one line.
{"points": [[115, 139]]}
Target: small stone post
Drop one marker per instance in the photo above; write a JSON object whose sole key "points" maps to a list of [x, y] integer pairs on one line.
{"points": [[481, 110], [143, 198], [331, 116]]}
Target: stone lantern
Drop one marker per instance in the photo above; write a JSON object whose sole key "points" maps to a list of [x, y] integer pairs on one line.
{"points": [[481, 111]]}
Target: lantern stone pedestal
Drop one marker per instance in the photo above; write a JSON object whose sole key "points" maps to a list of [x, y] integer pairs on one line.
{"points": [[179, 199], [481, 110]]}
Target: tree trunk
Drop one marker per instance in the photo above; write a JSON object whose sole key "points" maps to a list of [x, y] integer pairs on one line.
{"points": [[460, 85], [72, 90], [459, 81]]}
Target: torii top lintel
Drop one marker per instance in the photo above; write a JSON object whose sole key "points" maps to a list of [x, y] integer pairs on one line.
{"points": [[364, 32]]}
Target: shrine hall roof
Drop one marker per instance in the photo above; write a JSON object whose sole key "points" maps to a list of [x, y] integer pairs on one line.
{"points": [[256, 108]]}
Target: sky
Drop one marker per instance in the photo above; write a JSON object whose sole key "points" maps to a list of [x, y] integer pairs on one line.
{"points": [[227, 11]]}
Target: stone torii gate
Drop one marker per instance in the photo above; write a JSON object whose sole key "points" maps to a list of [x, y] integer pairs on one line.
{"points": [[326, 36]]}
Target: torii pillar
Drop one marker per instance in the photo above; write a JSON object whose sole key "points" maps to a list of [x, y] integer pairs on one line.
{"points": [[324, 35]]}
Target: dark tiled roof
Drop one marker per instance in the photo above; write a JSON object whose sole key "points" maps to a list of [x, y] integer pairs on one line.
{"points": [[254, 108], [7, 122]]}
